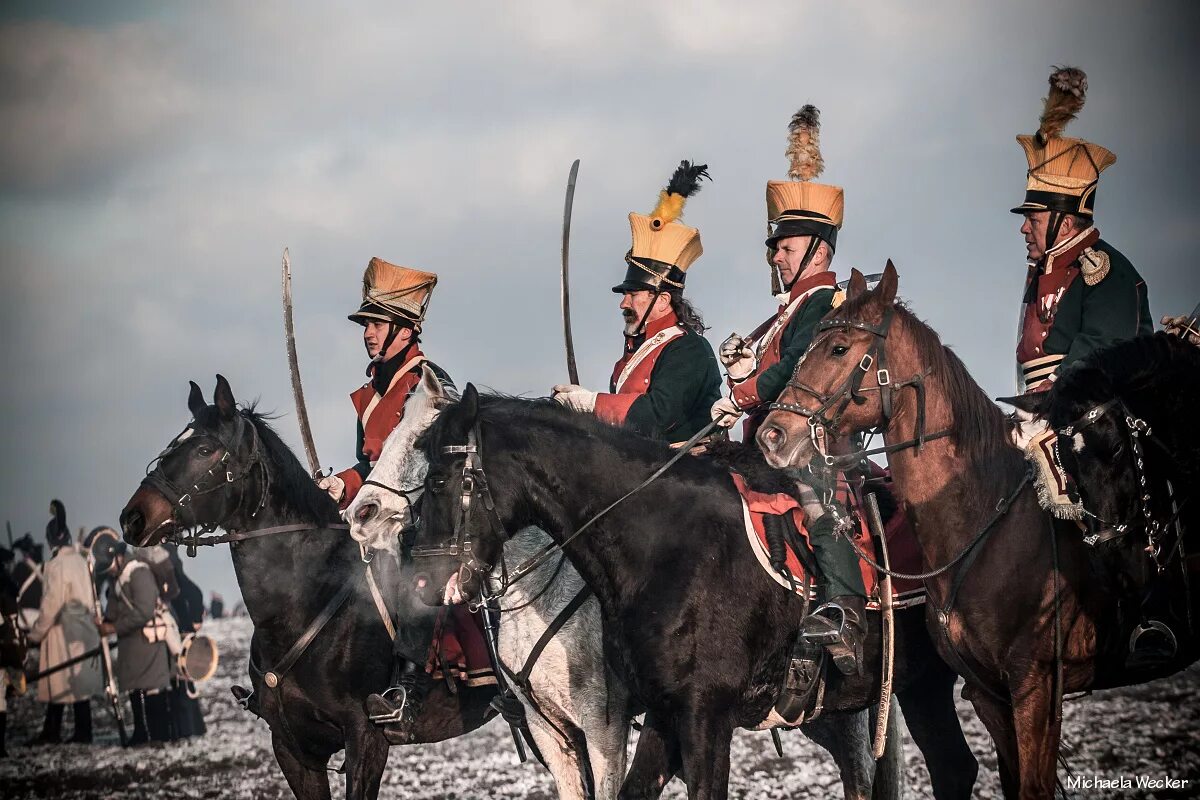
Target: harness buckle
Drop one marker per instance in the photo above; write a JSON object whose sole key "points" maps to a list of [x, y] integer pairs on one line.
{"points": [[883, 377], [865, 363], [184, 499]]}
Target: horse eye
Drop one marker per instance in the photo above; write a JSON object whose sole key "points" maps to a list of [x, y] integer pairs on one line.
{"points": [[839, 350], [204, 451]]}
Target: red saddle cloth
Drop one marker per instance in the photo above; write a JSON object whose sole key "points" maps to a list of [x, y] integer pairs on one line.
{"points": [[459, 648], [903, 553]]}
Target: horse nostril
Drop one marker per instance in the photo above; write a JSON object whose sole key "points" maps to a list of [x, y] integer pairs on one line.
{"points": [[366, 511], [772, 438], [132, 523]]}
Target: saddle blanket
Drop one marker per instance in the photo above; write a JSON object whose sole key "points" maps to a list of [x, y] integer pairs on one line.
{"points": [[459, 649], [903, 553]]}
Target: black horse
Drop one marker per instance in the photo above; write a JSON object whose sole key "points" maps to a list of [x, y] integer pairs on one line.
{"points": [[236, 473], [696, 627], [1129, 437]]}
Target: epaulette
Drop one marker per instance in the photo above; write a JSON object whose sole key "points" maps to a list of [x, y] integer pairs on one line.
{"points": [[1094, 264]]}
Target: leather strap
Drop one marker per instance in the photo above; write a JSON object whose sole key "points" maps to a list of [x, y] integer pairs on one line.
{"points": [[552, 629]]}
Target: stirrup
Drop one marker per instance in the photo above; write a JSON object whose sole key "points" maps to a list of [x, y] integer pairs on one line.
{"points": [[829, 633], [842, 639], [396, 712]]}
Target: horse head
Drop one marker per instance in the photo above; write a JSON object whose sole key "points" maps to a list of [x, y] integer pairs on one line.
{"points": [[383, 506], [199, 480], [826, 396], [458, 540]]}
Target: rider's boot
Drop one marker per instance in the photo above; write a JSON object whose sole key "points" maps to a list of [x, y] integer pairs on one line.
{"points": [[839, 624], [399, 707], [839, 627]]}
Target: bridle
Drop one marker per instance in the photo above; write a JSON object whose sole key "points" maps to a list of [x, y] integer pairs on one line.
{"points": [[822, 423], [461, 544], [1136, 429], [228, 470]]}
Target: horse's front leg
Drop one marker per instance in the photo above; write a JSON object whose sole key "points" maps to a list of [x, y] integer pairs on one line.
{"points": [[1038, 725], [305, 783], [997, 717], [366, 758], [847, 737], [704, 741], [655, 762]]}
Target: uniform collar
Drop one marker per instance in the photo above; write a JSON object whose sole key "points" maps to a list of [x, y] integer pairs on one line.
{"points": [[651, 330], [383, 373], [1068, 252], [803, 285]]}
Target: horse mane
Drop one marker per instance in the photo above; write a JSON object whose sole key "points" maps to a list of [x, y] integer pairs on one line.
{"points": [[980, 430], [290, 481], [1131, 367]]}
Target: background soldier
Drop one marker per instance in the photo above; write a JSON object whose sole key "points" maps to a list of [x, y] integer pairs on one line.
{"points": [[667, 377], [65, 628], [187, 718], [803, 219], [27, 573], [143, 663]]}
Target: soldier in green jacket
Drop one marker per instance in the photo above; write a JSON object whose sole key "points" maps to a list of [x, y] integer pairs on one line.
{"points": [[1081, 294], [667, 376], [805, 218]]}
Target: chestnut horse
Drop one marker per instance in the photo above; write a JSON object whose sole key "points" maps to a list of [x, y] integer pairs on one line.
{"points": [[1014, 604]]}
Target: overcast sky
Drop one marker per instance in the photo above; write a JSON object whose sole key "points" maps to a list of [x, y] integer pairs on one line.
{"points": [[155, 159]]}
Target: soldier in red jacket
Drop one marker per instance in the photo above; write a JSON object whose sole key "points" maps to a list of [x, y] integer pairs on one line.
{"points": [[394, 300]]}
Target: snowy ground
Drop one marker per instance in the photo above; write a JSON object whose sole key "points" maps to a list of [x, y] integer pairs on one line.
{"points": [[1152, 731]]}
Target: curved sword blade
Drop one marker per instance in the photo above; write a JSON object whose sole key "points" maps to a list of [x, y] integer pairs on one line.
{"points": [[572, 369], [310, 447]]}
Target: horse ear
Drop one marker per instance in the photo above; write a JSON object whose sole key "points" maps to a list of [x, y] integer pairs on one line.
{"points": [[857, 285], [470, 403], [431, 386], [888, 284], [223, 398], [462, 417], [196, 402], [1033, 403]]}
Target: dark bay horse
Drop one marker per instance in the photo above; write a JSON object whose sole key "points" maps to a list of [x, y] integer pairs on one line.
{"points": [[1018, 609], [693, 624], [242, 477]]}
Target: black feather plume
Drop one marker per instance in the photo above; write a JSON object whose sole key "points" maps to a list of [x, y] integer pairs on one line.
{"points": [[686, 179]]}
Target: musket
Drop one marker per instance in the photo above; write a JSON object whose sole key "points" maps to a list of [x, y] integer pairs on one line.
{"points": [[310, 447], [887, 623], [8, 527], [572, 369], [106, 663]]}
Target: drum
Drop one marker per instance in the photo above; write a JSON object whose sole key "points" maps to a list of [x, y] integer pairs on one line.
{"points": [[197, 659]]}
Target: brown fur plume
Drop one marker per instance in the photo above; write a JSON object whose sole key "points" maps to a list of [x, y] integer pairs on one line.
{"points": [[1068, 89], [804, 144]]}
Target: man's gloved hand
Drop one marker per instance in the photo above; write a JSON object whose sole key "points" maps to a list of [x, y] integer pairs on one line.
{"points": [[334, 486], [737, 358], [725, 412], [575, 397], [1185, 328]]}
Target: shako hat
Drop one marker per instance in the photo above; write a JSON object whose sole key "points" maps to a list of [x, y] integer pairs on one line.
{"points": [[1062, 172], [663, 248], [800, 207], [394, 294]]}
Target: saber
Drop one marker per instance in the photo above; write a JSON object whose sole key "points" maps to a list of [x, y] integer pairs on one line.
{"points": [[106, 662], [887, 622], [572, 369], [310, 447]]}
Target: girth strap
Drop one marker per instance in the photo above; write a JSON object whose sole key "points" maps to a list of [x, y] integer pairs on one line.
{"points": [[568, 611], [272, 677]]}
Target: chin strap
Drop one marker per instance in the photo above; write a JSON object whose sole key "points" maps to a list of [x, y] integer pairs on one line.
{"points": [[393, 331], [641, 328]]}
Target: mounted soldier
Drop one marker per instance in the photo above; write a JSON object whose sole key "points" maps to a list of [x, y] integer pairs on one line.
{"points": [[803, 220], [1081, 294], [667, 377], [394, 302], [65, 628]]}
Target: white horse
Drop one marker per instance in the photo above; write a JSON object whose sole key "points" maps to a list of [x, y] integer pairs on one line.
{"points": [[577, 710]]}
